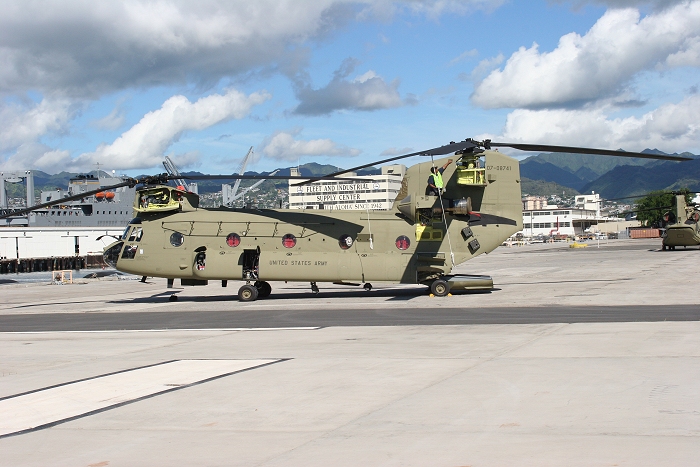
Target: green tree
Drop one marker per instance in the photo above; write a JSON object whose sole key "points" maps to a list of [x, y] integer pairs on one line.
{"points": [[651, 209]]}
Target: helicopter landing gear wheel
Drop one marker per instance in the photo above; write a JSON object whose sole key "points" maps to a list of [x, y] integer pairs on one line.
{"points": [[248, 293], [314, 288], [663, 247], [172, 298], [368, 286], [439, 288], [264, 289]]}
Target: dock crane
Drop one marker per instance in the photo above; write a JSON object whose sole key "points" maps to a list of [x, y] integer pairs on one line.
{"points": [[172, 169], [229, 193]]}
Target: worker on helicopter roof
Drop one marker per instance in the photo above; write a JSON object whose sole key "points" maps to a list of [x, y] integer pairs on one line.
{"points": [[435, 183]]}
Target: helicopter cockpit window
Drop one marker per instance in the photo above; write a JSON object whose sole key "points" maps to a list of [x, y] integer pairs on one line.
{"points": [[126, 232], [129, 252], [233, 240], [177, 239], [289, 241], [136, 234], [402, 242], [345, 241]]}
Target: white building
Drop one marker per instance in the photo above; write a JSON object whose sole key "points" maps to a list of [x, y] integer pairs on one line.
{"points": [[45, 242], [590, 202], [534, 202], [376, 193], [553, 220], [585, 216]]}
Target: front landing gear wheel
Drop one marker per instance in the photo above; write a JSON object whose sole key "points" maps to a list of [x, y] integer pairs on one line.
{"points": [[264, 289], [440, 288], [368, 286], [248, 293]]}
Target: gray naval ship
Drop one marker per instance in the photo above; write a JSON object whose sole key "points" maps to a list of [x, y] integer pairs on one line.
{"points": [[107, 209]]}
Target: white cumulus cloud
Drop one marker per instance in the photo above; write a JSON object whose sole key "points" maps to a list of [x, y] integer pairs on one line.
{"points": [[672, 127], [597, 65], [22, 124], [33, 155], [365, 92], [87, 48], [144, 144], [284, 146]]}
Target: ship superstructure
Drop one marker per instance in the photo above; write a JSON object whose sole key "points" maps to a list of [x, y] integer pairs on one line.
{"points": [[107, 209]]}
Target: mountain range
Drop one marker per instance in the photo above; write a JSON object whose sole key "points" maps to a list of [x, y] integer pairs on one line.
{"points": [[612, 177], [542, 174]]}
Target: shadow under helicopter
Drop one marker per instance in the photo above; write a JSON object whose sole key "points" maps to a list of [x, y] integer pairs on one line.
{"points": [[392, 294]]}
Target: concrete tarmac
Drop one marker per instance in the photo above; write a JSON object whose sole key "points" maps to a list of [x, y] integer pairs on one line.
{"points": [[578, 357]]}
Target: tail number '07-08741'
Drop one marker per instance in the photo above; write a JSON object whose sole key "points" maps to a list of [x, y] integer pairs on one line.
{"points": [[498, 167]]}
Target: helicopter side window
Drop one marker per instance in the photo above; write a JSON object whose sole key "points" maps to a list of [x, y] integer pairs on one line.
{"points": [[233, 240], [177, 239], [289, 241], [345, 241], [402, 242]]}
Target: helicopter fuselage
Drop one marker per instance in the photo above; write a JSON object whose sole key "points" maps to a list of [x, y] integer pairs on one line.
{"points": [[685, 231], [421, 239]]}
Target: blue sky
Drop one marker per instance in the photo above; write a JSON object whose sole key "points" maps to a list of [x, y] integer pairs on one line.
{"points": [[341, 82]]}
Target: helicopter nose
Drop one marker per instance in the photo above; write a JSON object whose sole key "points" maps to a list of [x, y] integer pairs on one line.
{"points": [[111, 254]]}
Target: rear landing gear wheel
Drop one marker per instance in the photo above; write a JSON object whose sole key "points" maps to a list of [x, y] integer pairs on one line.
{"points": [[248, 293], [368, 286], [314, 288], [173, 298], [440, 288], [264, 289]]}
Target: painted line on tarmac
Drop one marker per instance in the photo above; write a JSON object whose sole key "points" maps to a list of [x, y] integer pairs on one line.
{"points": [[50, 406], [299, 328]]}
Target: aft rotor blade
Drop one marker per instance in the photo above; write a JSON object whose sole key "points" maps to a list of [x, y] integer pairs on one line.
{"points": [[67, 199], [659, 193], [658, 208], [578, 150], [439, 151]]}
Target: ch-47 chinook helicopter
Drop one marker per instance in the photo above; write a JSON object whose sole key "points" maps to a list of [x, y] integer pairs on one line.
{"points": [[419, 241], [682, 228]]}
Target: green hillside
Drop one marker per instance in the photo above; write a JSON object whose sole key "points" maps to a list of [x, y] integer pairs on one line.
{"points": [[591, 165], [611, 176], [631, 181], [543, 188]]}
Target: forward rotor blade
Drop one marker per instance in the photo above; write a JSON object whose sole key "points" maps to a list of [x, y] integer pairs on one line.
{"points": [[261, 177], [439, 151], [130, 182], [577, 150]]}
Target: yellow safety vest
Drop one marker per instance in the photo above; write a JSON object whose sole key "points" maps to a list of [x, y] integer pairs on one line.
{"points": [[437, 178]]}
